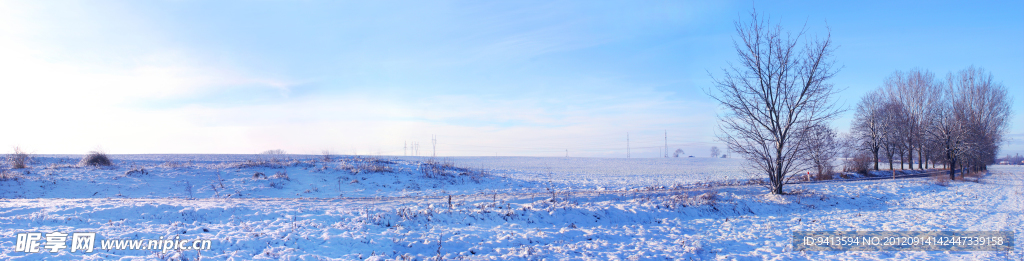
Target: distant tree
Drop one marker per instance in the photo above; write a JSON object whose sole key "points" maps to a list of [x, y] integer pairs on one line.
{"points": [[715, 151], [273, 152], [960, 123], [776, 92], [822, 147], [678, 152]]}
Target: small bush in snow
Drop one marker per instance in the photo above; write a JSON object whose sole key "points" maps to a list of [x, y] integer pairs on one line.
{"points": [[326, 155], [281, 175], [277, 184], [136, 172], [95, 158], [9, 175], [259, 175], [941, 179], [19, 159]]}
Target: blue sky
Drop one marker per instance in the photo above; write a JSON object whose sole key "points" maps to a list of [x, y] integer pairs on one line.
{"points": [[512, 78]]}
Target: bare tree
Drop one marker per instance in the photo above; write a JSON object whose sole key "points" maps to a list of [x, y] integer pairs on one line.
{"points": [[947, 133], [777, 91], [893, 121], [822, 147], [867, 126], [917, 91], [981, 110], [715, 151]]}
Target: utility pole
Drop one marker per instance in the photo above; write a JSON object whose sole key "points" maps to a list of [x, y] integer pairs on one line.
{"points": [[627, 145], [405, 148], [666, 143], [433, 141], [566, 153]]}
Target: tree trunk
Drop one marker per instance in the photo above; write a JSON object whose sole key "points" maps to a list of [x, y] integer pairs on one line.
{"points": [[876, 159], [903, 160], [920, 158], [952, 165]]}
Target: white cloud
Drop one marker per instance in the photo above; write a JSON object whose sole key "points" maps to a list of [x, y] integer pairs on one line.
{"points": [[56, 105]]}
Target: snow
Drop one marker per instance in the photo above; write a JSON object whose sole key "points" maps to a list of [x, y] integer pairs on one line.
{"points": [[525, 208]]}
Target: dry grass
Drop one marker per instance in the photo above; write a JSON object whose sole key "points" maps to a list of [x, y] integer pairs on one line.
{"points": [[446, 169], [358, 165], [174, 164], [9, 175], [95, 158], [259, 163], [685, 199]]}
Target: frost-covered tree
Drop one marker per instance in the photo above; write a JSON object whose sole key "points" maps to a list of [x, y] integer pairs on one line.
{"points": [[776, 91], [715, 151]]}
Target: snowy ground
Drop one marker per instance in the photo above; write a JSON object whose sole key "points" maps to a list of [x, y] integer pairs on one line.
{"points": [[520, 208]]}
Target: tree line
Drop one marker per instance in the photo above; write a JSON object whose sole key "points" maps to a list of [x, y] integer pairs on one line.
{"points": [[958, 122]]}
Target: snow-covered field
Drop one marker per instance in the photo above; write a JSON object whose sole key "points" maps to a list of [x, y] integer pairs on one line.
{"points": [[346, 208]]}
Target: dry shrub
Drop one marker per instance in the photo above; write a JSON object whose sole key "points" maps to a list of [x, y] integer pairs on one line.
{"points": [[281, 175], [941, 179], [682, 200], [860, 163], [709, 198], [19, 159], [259, 175], [826, 175], [326, 155], [95, 158]]}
